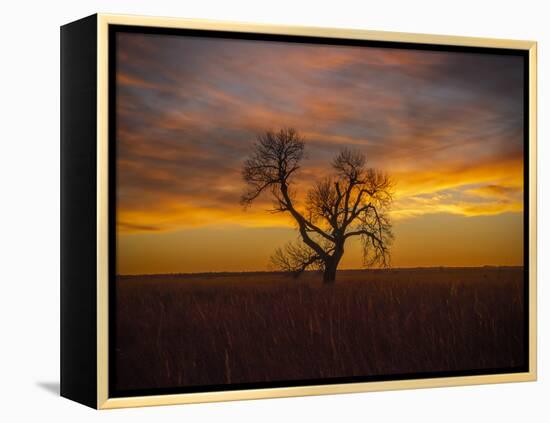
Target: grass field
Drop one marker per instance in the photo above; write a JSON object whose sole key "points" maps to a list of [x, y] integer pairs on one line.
{"points": [[187, 330]]}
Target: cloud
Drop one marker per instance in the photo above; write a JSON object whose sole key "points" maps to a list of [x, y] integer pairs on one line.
{"points": [[447, 126], [497, 191]]}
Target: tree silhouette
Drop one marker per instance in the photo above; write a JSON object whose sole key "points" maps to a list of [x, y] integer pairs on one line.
{"points": [[351, 203]]}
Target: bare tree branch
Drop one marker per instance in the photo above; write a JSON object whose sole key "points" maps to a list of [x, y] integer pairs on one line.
{"points": [[295, 258], [276, 156], [352, 202]]}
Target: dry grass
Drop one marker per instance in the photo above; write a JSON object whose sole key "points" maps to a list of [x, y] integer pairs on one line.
{"points": [[192, 330]]}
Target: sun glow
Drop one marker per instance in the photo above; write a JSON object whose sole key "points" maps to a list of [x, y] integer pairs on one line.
{"points": [[447, 128]]}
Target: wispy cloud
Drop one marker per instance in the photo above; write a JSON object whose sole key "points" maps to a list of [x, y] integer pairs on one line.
{"points": [[447, 126]]}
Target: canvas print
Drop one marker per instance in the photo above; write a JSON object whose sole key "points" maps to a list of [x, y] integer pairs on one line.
{"points": [[292, 212]]}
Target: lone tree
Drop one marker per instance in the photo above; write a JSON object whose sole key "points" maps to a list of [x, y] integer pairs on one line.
{"points": [[350, 203]]}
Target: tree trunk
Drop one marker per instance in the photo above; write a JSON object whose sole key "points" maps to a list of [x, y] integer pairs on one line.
{"points": [[329, 275]]}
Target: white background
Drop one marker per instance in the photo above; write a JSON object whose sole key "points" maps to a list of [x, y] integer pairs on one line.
{"points": [[29, 210]]}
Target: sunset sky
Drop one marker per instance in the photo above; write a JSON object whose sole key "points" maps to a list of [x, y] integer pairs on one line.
{"points": [[448, 128]]}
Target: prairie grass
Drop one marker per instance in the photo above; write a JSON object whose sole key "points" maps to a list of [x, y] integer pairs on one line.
{"points": [[213, 329]]}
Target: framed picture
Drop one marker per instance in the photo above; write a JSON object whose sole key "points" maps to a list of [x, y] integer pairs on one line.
{"points": [[255, 211]]}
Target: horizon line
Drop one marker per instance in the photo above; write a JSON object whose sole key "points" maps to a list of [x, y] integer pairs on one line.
{"points": [[175, 274]]}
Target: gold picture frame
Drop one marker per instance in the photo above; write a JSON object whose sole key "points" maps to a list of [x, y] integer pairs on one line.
{"points": [[100, 29]]}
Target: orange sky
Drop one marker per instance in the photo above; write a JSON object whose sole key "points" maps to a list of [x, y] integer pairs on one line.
{"points": [[447, 126]]}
